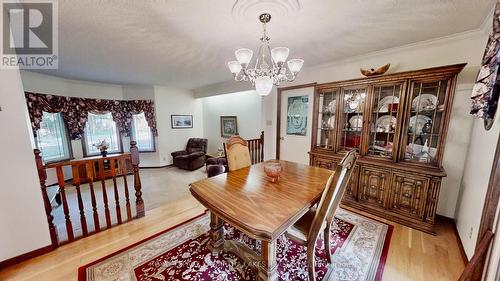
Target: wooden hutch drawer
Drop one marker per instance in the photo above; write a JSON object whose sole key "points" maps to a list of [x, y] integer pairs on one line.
{"points": [[374, 186], [323, 162], [408, 194]]}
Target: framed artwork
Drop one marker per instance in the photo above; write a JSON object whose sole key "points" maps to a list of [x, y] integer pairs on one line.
{"points": [[228, 126], [296, 120], [181, 121]]}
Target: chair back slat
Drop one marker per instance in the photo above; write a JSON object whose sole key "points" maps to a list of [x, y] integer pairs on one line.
{"points": [[332, 195]]}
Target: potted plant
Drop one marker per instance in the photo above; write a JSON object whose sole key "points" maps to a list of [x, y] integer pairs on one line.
{"points": [[103, 147]]}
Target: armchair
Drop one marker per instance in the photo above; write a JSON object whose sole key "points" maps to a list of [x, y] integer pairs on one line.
{"points": [[193, 157]]}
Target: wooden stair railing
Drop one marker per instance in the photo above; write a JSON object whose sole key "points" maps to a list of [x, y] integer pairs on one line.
{"points": [[96, 169], [256, 147], [471, 272]]}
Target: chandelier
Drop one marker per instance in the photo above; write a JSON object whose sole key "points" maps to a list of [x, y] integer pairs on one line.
{"points": [[269, 67]]}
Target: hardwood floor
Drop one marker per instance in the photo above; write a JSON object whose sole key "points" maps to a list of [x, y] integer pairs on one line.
{"points": [[160, 186], [418, 256], [413, 255], [63, 263]]}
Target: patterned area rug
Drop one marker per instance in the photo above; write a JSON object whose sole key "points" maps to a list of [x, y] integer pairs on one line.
{"points": [[359, 246]]}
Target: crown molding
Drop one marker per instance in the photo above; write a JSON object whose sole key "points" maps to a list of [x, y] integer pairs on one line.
{"points": [[435, 41]]}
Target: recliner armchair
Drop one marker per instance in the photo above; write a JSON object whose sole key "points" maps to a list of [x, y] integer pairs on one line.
{"points": [[193, 157]]}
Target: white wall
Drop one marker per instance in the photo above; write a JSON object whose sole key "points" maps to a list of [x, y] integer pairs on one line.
{"points": [[475, 181], [46, 84], [23, 224], [493, 264], [245, 105], [170, 101], [137, 92], [467, 47]]}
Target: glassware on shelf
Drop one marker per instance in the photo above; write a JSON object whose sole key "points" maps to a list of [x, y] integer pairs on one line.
{"points": [[425, 121], [326, 119], [388, 103], [352, 118], [383, 122]]}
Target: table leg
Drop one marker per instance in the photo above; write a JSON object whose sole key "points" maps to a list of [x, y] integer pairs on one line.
{"points": [[268, 270], [216, 234]]}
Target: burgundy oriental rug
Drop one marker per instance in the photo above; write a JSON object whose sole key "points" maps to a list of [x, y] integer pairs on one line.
{"points": [[359, 247]]}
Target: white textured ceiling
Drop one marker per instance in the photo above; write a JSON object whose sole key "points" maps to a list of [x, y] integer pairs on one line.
{"points": [[186, 43]]}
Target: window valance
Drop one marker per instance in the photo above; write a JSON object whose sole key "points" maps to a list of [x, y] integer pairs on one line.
{"points": [[75, 111]]}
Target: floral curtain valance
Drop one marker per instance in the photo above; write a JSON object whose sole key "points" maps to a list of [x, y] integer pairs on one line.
{"points": [[484, 97], [75, 111]]}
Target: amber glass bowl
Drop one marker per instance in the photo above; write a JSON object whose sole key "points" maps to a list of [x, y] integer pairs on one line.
{"points": [[273, 170]]}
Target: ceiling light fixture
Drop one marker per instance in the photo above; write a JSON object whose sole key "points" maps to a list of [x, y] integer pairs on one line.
{"points": [[269, 67]]}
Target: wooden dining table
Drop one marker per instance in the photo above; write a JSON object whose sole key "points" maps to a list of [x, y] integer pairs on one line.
{"points": [[248, 200]]}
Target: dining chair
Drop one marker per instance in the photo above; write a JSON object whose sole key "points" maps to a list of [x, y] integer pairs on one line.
{"points": [[237, 153], [307, 229]]}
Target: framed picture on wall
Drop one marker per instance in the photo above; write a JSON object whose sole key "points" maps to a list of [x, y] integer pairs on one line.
{"points": [[181, 121], [228, 126]]}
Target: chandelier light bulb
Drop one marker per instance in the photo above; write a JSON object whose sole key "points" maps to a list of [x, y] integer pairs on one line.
{"points": [[270, 66], [295, 65], [280, 54], [244, 56], [234, 67], [263, 85]]}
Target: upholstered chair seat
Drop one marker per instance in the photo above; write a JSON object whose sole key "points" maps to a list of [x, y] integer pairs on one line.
{"points": [[215, 170], [193, 157]]}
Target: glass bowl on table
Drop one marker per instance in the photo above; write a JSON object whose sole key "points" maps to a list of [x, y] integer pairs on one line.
{"points": [[273, 170]]}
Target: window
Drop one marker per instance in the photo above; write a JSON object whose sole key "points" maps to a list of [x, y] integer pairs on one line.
{"points": [[141, 133], [52, 138], [101, 127]]}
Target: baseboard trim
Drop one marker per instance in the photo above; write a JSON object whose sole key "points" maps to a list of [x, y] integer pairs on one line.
{"points": [[157, 167], [25, 256], [457, 236]]}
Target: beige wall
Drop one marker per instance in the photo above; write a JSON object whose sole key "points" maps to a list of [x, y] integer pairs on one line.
{"points": [[170, 101], [20, 194], [467, 47], [467, 157], [475, 181], [167, 101], [46, 84], [23, 224], [246, 106]]}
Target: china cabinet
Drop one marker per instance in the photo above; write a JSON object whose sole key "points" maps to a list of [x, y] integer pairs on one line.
{"points": [[397, 123]]}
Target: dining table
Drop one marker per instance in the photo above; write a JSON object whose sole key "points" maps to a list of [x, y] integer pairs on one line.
{"points": [[248, 200]]}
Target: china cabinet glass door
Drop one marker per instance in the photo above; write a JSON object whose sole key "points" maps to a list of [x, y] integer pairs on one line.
{"points": [[325, 137], [352, 118], [425, 120], [383, 128]]}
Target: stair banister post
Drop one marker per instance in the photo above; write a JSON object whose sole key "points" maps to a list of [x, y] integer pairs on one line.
{"points": [[262, 146], [42, 176], [134, 154]]}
